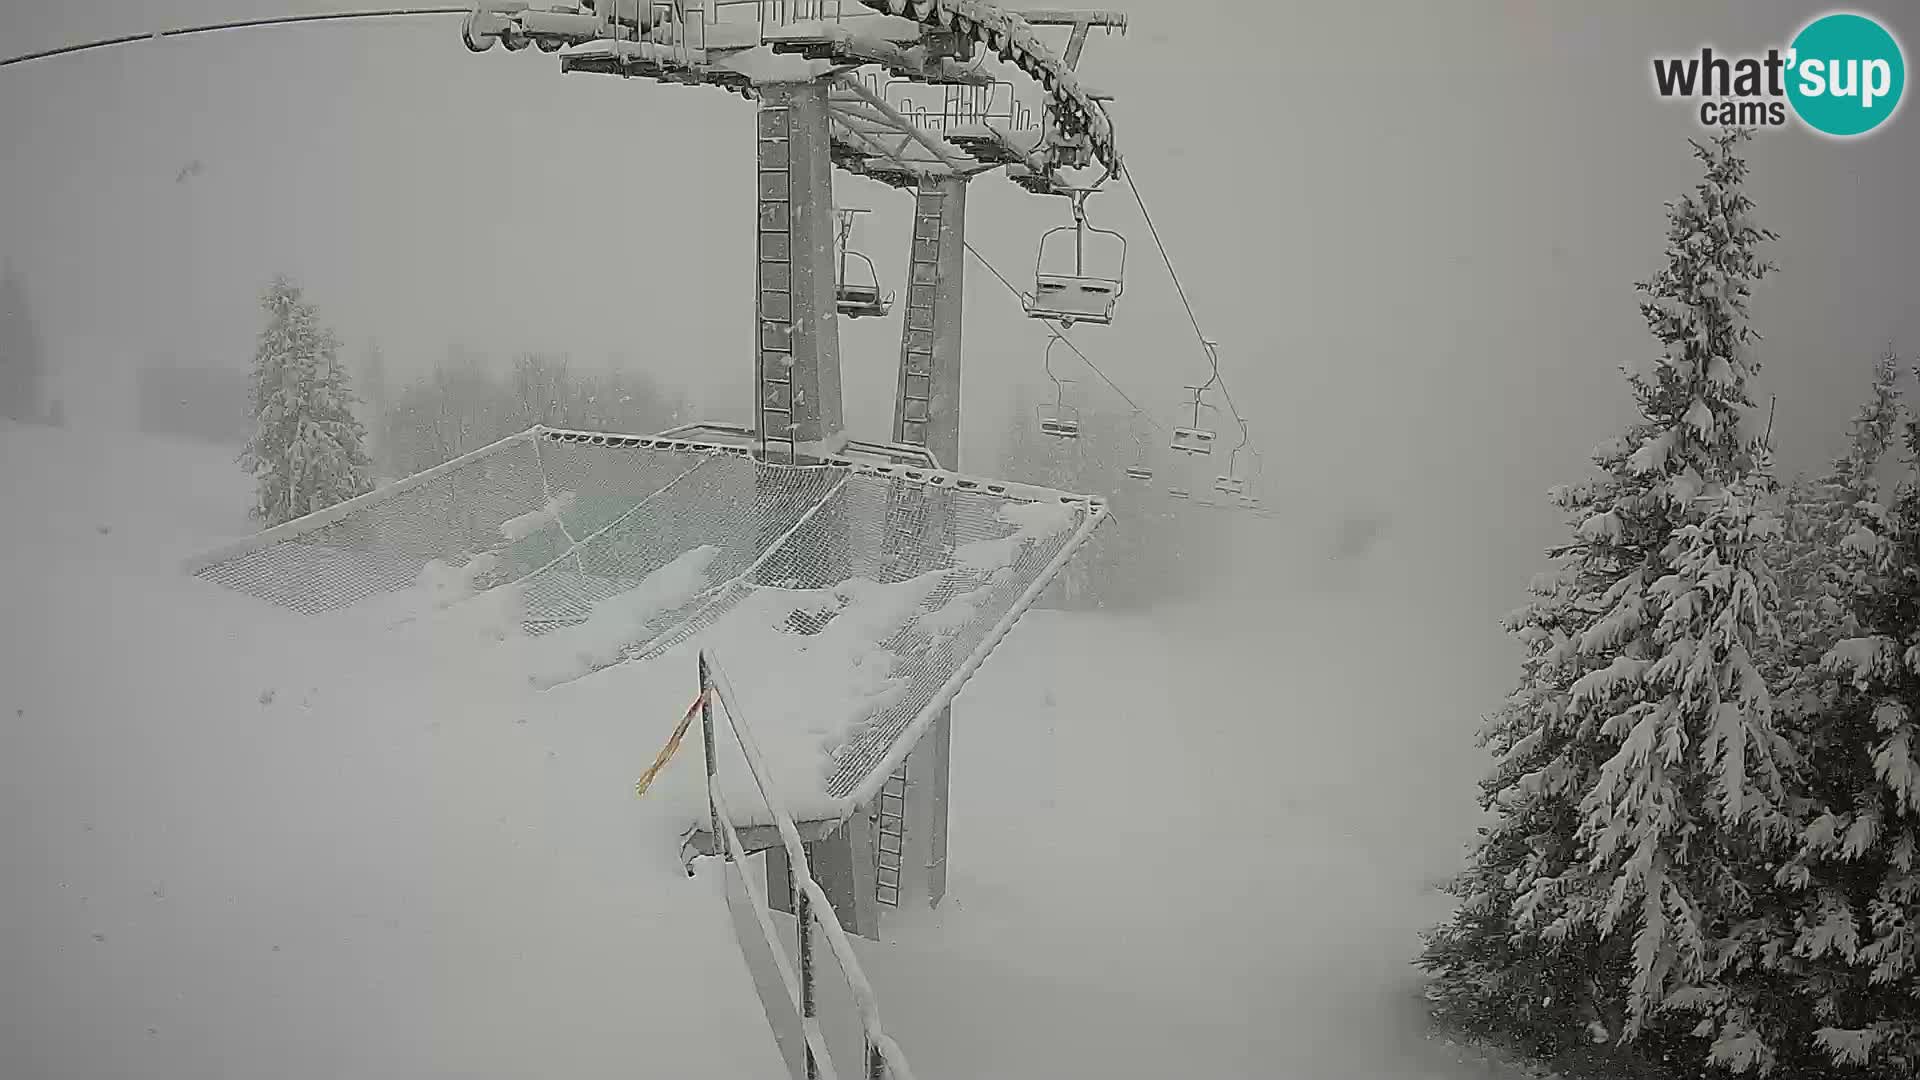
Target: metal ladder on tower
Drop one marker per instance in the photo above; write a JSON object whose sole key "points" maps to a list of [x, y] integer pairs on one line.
{"points": [[774, 295], [923, 272], [889, 838]]}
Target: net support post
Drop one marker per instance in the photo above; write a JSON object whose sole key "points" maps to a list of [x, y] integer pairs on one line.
{"points": [[803, 934], [706, 744]]}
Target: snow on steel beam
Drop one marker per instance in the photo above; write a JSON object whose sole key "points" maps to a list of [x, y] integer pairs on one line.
{"points": [[1114, 20], [1012, 38], [948, 154]]}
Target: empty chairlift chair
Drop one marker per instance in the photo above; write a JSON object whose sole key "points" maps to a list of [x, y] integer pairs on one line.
{"points": [[1061, 420], [1062, 423], [1249, 500], [1233, 483], [857, 288], [1139, 470], [1077, 294], [1194, 439]]}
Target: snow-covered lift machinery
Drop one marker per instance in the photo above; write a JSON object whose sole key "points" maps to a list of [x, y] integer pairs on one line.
{"points": [[1080, 296], [857, 292], [1063, 422]]}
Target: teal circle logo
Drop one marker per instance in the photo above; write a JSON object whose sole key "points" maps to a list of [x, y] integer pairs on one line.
{"points": [[1846, 74]]}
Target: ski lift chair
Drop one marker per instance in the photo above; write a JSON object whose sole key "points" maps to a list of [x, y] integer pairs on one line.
{"points": [[1195, 439], [1064, 423], [1080, 296], [1139, 470], [1233, 483], [1064, 420], [1179, 493], [857, 295]]}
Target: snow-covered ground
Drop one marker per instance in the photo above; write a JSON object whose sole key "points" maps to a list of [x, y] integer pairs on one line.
{"points": [[1210, 856], [238, 842], [238, 845]]}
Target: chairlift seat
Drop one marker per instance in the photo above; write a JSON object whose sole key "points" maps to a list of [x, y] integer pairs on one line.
{"points": [[861, 301], [1074, 299], [1138, 472], [1179, 493], [1248, 502], [1193, 440], [1060, 427], [1229, 485]]}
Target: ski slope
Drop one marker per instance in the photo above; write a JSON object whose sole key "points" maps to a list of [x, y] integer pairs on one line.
{"points": [[240, 843]]}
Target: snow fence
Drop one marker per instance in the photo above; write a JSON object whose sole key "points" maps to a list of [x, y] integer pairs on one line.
{"points": [[675, 536]]}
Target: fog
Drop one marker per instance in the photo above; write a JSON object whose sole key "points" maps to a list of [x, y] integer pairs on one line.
{"points": [[1414, 228]]}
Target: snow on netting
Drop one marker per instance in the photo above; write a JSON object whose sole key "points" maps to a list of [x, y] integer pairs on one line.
{"points": [[866, 593]]}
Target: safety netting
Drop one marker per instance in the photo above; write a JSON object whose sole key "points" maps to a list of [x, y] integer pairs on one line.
{"points": [[626, 548]]}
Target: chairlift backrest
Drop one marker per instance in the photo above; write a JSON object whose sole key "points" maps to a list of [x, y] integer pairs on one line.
{"points": [[1193, 440]]}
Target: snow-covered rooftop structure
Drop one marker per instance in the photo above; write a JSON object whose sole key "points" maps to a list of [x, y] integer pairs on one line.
{"points": [[848, 599]]}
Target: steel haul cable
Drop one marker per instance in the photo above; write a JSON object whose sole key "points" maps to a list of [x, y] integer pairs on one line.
{"points": [[238, 24], [1146, 216]]}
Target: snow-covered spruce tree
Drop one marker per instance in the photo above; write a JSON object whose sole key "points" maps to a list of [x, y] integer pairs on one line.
{"points": [[1837, 935], [1638, 771], [305, 453], [1690, 800], [1492, 976], [1827, 519]]}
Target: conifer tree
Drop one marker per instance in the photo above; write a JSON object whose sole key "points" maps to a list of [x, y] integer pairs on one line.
{"points": [[1836, 981], [1830, 522], [1638, 765], [305, 453]]}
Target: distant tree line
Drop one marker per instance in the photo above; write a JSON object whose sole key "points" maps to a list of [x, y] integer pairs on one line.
{"points": [[465, 403]]}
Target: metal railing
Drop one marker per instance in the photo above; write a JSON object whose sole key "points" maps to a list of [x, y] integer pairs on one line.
{"points": [[792, 1000]]}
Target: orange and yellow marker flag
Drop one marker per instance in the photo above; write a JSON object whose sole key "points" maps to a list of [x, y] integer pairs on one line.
{"points": [[666, 752]]}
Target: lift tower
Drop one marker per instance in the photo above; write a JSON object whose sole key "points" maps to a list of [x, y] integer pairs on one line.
{"points": [[897, 91]]}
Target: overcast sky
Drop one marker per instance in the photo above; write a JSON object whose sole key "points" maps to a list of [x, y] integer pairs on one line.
{"points": [[1414, 227]]}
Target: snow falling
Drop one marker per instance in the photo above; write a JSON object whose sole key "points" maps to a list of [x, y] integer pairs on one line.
{"points": [[1456, 623]]}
